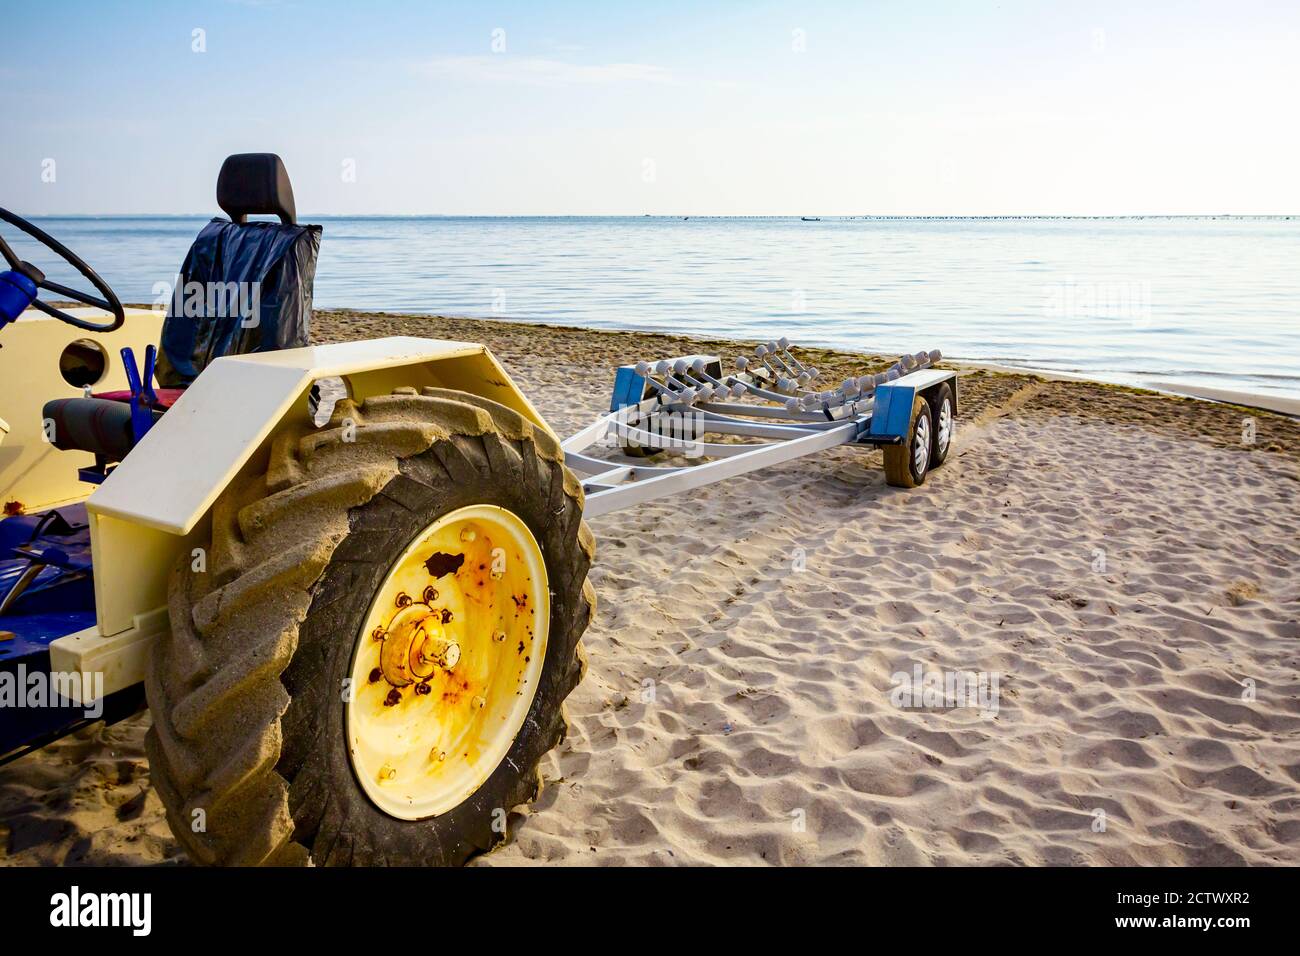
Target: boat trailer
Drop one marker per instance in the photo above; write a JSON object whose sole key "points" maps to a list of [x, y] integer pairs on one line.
{"points": [[673, 405]]}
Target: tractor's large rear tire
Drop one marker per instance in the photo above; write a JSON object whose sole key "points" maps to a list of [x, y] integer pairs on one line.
{"points": [[249, 748]]}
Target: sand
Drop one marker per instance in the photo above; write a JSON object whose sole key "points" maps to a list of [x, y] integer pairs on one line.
{"points": [[1121, 563]]}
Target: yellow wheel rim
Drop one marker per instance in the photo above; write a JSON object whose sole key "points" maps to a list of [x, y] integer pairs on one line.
{"points": [[446, 666]]}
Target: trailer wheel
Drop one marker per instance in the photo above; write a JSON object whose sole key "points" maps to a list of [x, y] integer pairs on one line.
{"points": [[943, 415], [374, 659], [906, 464]]}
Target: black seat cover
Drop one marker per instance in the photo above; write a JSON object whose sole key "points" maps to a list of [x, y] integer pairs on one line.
{"points": [[274, 263], [279, 257]]}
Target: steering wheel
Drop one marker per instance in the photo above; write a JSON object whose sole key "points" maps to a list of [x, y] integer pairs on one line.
{"points": [[109, 302]]}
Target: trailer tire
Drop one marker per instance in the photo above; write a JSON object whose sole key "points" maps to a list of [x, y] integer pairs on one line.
{"points": [[907, 464], [943, 416], [248, 748]]}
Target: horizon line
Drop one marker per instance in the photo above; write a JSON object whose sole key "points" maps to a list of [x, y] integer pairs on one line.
{"points": [[683, 216]]}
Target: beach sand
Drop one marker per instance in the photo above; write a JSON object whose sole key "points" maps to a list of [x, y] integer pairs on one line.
{"points": [[1123, 564]]}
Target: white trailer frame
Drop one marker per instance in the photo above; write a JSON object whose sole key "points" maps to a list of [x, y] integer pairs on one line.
{"points": [[784, 434]]}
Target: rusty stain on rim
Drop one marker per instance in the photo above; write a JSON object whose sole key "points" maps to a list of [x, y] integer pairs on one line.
{"points": [[447, 662]]}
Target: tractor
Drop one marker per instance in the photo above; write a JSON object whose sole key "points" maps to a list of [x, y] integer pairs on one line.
{"points": [[355, 632], [349, 581]]}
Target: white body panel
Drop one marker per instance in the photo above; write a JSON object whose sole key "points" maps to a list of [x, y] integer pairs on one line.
{"points": [[121, 658], [153, 507], [32, 471], [178, 469]]}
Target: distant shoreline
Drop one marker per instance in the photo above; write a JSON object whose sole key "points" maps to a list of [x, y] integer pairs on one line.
{"points": [[685, 216], [1277, 404]]}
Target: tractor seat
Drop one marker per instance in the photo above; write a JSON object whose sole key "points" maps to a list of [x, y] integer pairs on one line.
{"points": [[98, 425], [270, 265], [255, 277]]}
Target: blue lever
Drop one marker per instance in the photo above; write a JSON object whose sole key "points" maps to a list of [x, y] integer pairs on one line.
{"points": [[150, 360], [143, 397]]}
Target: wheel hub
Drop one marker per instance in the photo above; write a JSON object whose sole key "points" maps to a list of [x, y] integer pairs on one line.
{"points": [[447, 662], [415, 645], [921, 448], [945, 425]]}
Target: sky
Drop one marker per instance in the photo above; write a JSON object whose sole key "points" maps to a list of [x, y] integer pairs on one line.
{"points": [[619, 108]]}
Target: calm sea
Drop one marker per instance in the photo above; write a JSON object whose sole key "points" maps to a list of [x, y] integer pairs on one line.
{"points": [[1204, 301]]}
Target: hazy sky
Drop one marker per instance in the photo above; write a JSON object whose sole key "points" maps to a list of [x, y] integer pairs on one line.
{"points": [[759, 108]]}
